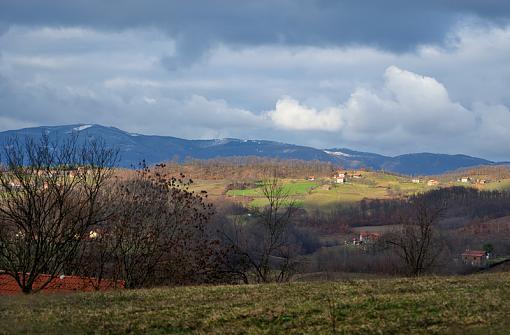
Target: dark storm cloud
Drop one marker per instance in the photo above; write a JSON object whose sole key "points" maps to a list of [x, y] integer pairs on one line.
{"points": [[391, 24], [371, 75]]}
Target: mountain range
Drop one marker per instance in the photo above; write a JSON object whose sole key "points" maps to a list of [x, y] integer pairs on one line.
{"points": [[134, 148]]}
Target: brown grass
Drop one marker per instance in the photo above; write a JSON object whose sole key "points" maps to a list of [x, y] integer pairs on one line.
{"points": [[432, 305]]}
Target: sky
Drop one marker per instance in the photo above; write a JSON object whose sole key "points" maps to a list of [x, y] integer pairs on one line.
{"points": [[391, 77]]}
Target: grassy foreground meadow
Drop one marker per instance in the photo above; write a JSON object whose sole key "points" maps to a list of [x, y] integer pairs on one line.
{"points": [[477, 304]]}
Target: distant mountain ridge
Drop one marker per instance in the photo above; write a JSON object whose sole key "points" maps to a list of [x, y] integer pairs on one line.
{"points": [[154, 149]]}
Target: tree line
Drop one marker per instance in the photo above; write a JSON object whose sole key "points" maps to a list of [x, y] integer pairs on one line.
{"points": [[463, 202], [250, 168], [63, 211]]}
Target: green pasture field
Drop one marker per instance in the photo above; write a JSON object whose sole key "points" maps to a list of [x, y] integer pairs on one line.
{"points": [[323, 193], [503, 185], [291, 187]]}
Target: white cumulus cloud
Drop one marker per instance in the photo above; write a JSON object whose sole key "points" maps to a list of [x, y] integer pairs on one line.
{"points": [[415, 103], [406, 101], [290, 114]]}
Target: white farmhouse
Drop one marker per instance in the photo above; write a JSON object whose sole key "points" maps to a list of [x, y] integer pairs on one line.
{"points": [[340, 177]]}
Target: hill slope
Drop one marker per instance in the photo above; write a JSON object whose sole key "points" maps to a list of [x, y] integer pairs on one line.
{"points": [[155, 149], [438, 305]]}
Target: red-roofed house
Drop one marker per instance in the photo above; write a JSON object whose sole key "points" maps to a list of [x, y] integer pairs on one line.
{"points": [[474, 257], [8, 285], [340, 177]]}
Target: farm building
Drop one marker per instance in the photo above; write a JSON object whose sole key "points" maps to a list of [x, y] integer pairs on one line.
{"points": [[311, 178], [366, 238], [415, 181], [14, 184], [432, 182], [340, 177], [369, 237], [465, 180], [475, 257], [8, 285]]}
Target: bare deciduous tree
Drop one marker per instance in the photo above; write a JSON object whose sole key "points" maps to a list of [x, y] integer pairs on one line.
{"points": [[418, 243], [49, 192], [263, 245], [159, 230]]}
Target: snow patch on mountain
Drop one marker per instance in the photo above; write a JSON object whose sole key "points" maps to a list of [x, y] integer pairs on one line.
{"points": [[337, 153], [80, 128]]}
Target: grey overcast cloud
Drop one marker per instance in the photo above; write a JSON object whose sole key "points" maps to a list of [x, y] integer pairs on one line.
{"points": [[385, 76]]}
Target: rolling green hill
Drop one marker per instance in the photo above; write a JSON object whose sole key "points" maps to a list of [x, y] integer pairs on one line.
{"points": [[323, 193]]}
